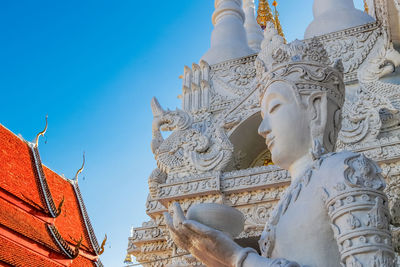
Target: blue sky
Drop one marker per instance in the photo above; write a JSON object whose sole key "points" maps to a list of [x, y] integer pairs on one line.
{"points": [[93, 67]]}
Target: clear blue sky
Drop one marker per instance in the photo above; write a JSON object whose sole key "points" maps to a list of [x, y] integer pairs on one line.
{"points": [[93, 67]]}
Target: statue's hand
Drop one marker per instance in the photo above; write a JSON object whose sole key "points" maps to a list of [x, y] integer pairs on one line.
{"points": [[210, 246]]}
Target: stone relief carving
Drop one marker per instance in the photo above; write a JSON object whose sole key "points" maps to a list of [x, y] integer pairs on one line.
{"points": [[351, 46], [376, 103], [187, 150]]}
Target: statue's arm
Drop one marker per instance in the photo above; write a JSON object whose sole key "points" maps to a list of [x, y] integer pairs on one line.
{"points": [[212, 247], [359, 214]]}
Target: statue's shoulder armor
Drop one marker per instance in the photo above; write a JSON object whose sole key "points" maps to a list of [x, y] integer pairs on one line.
{"points": [[353, 195], [351, 170]]}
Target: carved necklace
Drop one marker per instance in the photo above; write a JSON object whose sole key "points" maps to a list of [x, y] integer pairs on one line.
{"points": [[268, 236]]}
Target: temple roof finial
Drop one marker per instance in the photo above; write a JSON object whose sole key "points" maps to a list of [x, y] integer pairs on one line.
{"points": [[41, 133], [81, 169], [278, 25], [264, 14]]}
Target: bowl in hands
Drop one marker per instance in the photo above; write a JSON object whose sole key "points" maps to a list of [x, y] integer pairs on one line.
{"points": [[218, 216]]}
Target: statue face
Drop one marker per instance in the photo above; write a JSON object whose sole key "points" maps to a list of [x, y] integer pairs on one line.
{"points": [[285, 125]]}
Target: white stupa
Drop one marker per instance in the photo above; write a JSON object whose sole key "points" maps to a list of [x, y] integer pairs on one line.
{"points": [[335, 15], [254, 32], [228, 39]]}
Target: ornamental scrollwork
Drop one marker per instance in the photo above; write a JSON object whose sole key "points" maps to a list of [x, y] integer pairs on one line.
{"points": [[187, 150]]}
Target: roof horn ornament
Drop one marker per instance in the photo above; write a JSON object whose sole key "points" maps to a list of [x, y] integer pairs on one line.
{"points": [[101, 251], [41, 133], [80, 170]]}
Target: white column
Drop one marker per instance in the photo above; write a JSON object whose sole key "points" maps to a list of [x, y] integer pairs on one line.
{"points": [[335, 15], [228, 39], [253, 30]]}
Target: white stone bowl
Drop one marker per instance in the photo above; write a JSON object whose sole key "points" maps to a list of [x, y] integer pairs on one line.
{"points": [[221, 217]]}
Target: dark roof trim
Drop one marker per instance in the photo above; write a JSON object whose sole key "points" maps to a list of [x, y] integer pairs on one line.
{"points": [[44, 187], [62, 244], [88, 224]]}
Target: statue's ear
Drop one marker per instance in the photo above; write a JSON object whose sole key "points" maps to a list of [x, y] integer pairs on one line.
{"points": [[318, 110]]}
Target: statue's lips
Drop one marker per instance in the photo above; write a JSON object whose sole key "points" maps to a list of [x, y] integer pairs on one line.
{"points": [[269, 142]]}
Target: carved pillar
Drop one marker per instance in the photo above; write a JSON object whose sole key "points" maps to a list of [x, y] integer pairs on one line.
{"points": [[205, 92], [186, 88], [253, 30], [196, 97], [228, 39], [335, 15], [205, 85]]}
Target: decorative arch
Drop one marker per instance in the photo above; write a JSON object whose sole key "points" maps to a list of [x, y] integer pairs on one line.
{"points": [[250, 149]]}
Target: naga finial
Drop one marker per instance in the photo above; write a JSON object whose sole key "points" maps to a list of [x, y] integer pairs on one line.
{"points": [[59, 209], [41, 133], [101, 251], [77, 246], [81, 169]]}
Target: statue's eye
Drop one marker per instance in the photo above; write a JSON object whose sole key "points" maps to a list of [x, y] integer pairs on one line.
{"points": [[274, 107]]}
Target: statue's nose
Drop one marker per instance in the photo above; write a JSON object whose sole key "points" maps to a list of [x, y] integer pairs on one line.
{"points": [[264, 129]]}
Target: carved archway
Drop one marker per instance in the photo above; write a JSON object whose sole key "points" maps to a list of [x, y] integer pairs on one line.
{"points": [[249, 147]]}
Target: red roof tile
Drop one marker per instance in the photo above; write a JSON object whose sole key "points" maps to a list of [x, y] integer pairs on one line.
{"points": [[25, 224], [19, 179], [81, 261], [16, 255], [70, 222], [17, 172]]}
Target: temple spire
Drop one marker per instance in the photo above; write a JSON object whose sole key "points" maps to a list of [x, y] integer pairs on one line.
{"points": [[264, 14], [335, 15], [278, 25], [253, 30], [228, 39]]}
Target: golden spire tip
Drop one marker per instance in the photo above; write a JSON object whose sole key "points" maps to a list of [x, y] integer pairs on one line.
{"points": [[264, 14]]}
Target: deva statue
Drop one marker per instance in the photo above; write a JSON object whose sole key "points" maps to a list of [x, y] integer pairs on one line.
{"points": [[335, 212]]}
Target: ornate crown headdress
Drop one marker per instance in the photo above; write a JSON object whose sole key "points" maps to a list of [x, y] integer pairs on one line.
{"points": [[304, 63]]}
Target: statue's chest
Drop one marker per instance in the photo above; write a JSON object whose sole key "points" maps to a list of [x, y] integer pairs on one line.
{"points": [[304, 220], [299, 228]]}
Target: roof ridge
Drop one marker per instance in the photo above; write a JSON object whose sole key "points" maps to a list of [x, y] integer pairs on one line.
{"points": [[86, 219], [46, 195]]}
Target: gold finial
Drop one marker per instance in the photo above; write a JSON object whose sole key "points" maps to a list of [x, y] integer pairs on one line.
{"points": [[81, 169], [77, 246], [264, 14], [101, 251], [41, 134], [60, 206], [278, 25], [128, 258], [366, 8]]}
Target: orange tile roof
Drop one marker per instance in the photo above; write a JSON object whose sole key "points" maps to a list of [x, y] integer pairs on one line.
{"points": [[17, 173], [10, 253], [70, 223], [81, 261], [29, 193], [25, 224]]}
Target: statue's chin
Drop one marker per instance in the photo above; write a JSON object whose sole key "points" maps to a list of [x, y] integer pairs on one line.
{"points": [[279, 159]]}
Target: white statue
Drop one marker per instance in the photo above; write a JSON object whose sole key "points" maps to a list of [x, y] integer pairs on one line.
{"points": [[335, 212]]}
